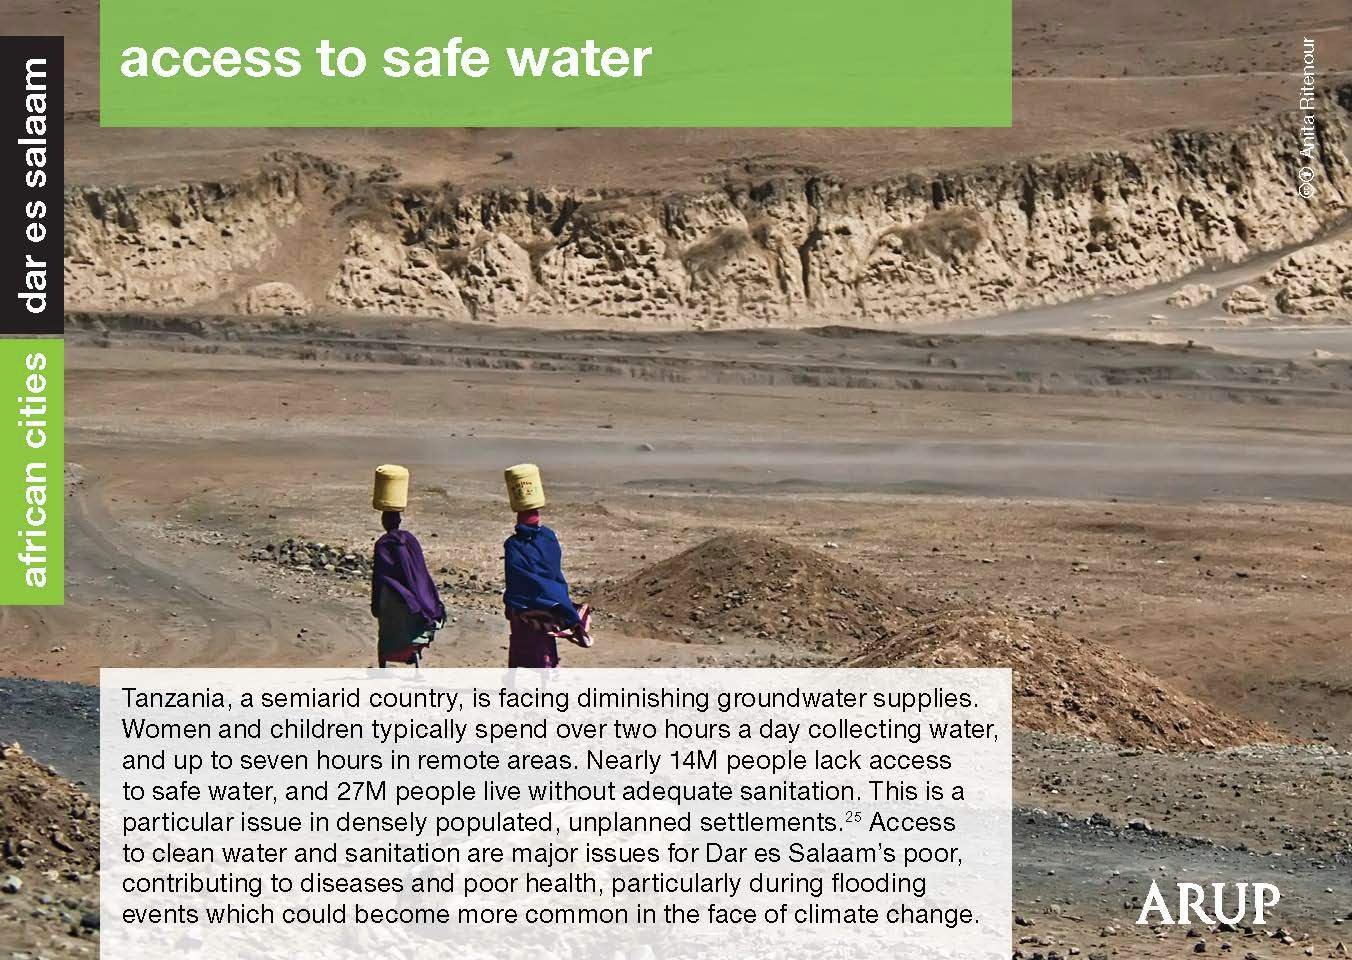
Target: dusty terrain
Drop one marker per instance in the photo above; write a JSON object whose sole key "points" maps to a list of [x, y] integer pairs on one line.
{"points": [[1184, 508], [1203, 533], [1064, 684], [1140, 515], [746, 585], [1093, 429]]}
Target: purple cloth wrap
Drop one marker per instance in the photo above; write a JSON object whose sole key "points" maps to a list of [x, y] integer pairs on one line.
{"points": [[399, 566]]}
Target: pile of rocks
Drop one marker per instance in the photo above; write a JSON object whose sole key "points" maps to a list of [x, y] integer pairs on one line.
{"points": [[274, 299], [1246, 299], [1191, 295], [49, 843], [312, 555], [1316, 280]]}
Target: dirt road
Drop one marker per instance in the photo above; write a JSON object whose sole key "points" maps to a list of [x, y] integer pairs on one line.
{"points": [[1146, 313]]}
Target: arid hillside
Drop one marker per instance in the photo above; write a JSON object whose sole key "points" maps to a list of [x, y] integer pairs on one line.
{"points": [[305, 235]]}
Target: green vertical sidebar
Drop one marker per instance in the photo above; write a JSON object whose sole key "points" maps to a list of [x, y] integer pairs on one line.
{"points": [[32, 472]]}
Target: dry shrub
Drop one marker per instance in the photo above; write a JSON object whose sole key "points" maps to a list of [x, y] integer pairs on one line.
{"points": [[538, 248], [1101, 221], [600, 213], [369, 203], [454, 260], [949, 234], [726, 244]]}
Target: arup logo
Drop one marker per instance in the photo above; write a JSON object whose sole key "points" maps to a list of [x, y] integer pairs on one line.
{"points": [[1191, 903]]}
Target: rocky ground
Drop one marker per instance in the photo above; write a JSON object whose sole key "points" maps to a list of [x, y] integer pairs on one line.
{"points": [[1122, 815], [50, 843], [1269, 800], [1103, 862], [349, 563]]}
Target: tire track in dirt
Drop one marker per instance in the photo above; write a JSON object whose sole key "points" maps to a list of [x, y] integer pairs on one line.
{"points": [[132, 603]]}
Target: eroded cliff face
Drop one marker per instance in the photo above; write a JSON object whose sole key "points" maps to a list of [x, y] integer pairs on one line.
{"points": [[1314, 281], [800, 249], [167, 247]]}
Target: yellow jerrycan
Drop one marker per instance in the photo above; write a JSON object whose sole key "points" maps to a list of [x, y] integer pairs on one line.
{"points": [[524, 487], [391, 489]]}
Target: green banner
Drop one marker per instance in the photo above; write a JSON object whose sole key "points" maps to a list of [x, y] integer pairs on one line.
{"points": [[698, 63], [32, 473]]}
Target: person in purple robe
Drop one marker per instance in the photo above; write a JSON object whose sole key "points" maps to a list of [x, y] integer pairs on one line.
{"points": [[404, 596], [536, 598]]}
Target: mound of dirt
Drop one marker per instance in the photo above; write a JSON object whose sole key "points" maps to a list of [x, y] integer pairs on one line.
{"points": [[756, 587], [46, 822], [1066, 685], [49, 845]]}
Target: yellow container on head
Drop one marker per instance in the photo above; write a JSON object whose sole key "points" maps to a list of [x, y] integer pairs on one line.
{"points": [[524, 487], [391, 489]]}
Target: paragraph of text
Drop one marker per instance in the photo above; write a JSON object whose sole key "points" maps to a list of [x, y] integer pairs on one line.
{"points": [[588, 813]]}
